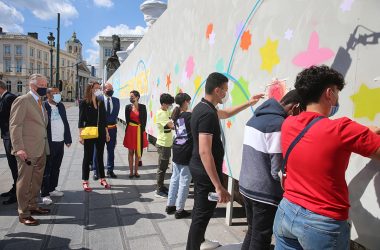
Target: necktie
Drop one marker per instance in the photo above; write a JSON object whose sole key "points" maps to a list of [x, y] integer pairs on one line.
{"points": [[40, 105], [108, 106]]}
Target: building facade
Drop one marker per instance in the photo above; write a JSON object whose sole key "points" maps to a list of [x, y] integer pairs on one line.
{"points": [[105, 48]]}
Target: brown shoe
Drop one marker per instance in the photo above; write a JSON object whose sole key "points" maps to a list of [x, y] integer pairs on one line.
{"points": [[40, 211], [29, 221]]}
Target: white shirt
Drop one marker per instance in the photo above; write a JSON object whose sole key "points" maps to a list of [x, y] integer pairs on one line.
{"points": [[57, 126], [106, 102]]}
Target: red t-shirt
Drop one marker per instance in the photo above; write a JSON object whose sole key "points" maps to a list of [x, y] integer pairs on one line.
{"points": [[317, 164]]}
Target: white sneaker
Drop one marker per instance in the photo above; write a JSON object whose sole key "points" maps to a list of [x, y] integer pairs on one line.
{"points": [[47, 200], [208, 245], [56, 193]]}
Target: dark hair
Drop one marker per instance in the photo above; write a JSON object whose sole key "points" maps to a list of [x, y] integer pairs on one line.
{"points": [[3, 85], [311, 82], [215, 80], [166, 98], [292, 97], [88, 91], [180, 99], [135, 93]]}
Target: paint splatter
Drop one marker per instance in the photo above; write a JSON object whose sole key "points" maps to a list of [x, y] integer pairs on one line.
{"points": [[314, 54], [238, 29], [277, 89], [176, 68], [168, 81], [190, 67], [269, 55], [209, 30], [366, 102], [158, 81], [288, 34], [197, 82], [245, 41], [346, 5], [219, 65], [239, 95], [229, 124]]}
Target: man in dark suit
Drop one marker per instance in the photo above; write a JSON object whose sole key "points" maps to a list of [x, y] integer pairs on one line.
{"points": [[27, 126], [6, 100], [58, 131], [112, 105]]}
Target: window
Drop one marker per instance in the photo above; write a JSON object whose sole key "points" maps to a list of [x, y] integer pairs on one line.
{"points": [[18, 66], [45, 56], [19, 86], [45, 70], [38, 68], [70, 49], [63, 62], [39, 54], [9, 86], [7, 49], [18, 50], [107, 52], [7, 65], [31, 66], [31, 52]]}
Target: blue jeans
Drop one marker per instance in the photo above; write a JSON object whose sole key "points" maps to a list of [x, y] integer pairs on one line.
{"points": [[298, 228], [179, 186]]}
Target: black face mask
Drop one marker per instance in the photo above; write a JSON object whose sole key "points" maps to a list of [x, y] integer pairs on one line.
{"points": [[132, 100], [109, 92], [41, 91]]}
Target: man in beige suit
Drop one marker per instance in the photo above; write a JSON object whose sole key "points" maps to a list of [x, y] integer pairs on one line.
{"points": [[27, 125]]}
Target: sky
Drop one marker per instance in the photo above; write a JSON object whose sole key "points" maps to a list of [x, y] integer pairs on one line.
{"points": [[88, 18]]}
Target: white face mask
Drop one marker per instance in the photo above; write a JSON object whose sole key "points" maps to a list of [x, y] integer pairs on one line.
{"points": [[98, 92], [57, 98], [226, 98]]}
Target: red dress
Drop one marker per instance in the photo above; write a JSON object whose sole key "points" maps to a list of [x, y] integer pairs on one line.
{"points": [[131, 133]]}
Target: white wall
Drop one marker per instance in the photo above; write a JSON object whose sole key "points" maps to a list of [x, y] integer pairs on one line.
{"points": [[279, 38]]}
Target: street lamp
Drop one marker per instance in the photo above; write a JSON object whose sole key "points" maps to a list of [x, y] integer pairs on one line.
{"points": [[51, 43]]}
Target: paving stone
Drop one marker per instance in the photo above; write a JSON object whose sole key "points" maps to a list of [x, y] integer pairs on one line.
{"points": [[106, 239], [138, 225], [176, 231], [152, 242], [130, 206], [66, 235], [102, 218]]}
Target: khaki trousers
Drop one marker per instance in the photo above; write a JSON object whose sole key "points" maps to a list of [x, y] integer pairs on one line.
{"points": [[29, 184]]}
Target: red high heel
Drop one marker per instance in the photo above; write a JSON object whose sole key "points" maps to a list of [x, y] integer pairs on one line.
{"points": [[86, 186], [104, 183]]}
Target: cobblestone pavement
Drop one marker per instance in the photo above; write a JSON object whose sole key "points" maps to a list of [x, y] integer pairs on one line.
{"points": [[126, 217]]}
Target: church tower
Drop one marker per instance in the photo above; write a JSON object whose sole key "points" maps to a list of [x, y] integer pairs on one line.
{"points": [[74, 46]]}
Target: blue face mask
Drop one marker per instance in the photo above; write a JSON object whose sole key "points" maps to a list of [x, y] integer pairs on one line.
{"points": [[57, 98], [334, 109]]}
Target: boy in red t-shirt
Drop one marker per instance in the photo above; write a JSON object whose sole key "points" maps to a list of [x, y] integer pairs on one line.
{"points": [[314, 210]]}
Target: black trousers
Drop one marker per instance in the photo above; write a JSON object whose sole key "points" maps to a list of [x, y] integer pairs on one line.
{"points": [[260, 217], [52, 168], [12, 162], [202, 212], [88, 155]]}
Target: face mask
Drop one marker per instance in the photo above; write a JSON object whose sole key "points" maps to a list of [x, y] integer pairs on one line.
{"points": [[98, 92], [225, 98], [57, 98], [132, 100], [41, 91], [170, 107], [109, 92], [334, 108]]}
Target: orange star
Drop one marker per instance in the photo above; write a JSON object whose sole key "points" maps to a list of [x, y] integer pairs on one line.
{"points": [[245, 41], [168, 81], [229, 124]]}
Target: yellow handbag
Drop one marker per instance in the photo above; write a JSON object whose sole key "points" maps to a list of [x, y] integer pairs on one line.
{"points": [[90, 132]]}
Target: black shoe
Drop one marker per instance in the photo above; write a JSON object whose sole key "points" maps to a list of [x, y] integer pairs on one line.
{"points": [[95, 177], [11, 200], [140, 163], [165, 190], [182, 214], [170, 209], [111, 174]]}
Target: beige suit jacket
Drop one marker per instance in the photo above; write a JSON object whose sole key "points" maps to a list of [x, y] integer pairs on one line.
{"points": [[28, 127]]}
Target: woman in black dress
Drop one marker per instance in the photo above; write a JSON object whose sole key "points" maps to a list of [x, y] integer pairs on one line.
{"points": [[92, 113]]}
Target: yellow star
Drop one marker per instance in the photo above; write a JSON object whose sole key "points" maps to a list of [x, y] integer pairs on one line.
{"points": [[269, 55], [197, 82], [366, 102]]}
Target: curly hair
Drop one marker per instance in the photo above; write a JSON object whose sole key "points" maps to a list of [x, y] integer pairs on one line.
{"points": [[166, 98], [311, 82]]}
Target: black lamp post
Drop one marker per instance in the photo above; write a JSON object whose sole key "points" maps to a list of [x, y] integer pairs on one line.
{"points": [[51, 43]]}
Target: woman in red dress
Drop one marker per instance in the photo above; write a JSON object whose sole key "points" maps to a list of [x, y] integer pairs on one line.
{"points": [[135, 138]]}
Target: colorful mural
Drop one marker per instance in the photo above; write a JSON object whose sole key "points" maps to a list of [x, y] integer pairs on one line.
{"points": [[258, 46]]}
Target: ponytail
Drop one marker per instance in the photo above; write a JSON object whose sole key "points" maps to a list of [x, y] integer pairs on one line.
{"points": [[180, 98]]}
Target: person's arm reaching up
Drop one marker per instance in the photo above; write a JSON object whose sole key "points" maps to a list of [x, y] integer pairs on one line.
{"points": [[228, 112]]}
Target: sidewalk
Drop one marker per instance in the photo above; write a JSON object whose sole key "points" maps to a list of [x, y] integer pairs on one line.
{"points": [[126, 217]]}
